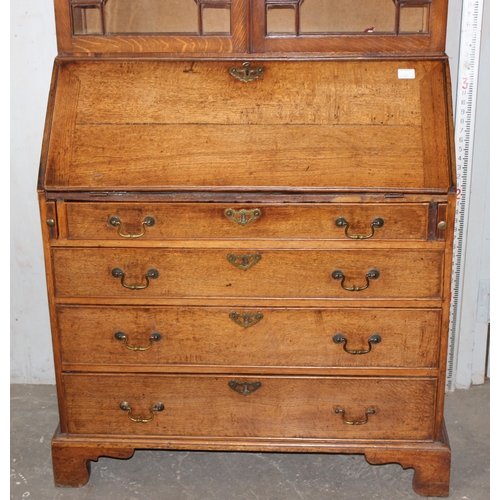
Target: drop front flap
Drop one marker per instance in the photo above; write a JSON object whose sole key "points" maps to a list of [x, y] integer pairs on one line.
{"points": [[300, 125]]}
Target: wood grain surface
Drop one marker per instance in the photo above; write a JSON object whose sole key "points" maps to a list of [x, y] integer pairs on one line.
{"points": [[404, 221], [283, 407], [283, 337], [86, 272], [331, 125]]}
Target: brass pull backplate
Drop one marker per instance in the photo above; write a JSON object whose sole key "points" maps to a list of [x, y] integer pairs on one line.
{"points": [[246, 320], [246, 74], [245, 261], [242, 217], [244, 388]]}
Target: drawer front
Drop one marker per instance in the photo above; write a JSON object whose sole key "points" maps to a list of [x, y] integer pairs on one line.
{"points": [[273, 407], [150, 221], [249, 337], [109, 272]]}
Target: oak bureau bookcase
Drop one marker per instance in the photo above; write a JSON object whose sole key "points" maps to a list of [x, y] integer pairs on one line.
{"points": [[247, 211]]}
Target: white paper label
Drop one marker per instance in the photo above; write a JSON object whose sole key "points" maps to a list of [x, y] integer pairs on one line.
{"points": [[406, 74]]}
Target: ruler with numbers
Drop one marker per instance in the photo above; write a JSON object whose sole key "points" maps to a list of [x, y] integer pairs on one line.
{"points": [[466, 97]]}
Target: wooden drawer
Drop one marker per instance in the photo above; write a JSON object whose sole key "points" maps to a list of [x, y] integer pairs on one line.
{"points": [[213, 336], [282, 407], [92, 272], [381, 221]]}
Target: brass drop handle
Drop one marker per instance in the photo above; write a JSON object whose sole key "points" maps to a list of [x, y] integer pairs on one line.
{"points": [[242, 217], [372, 274], [374, 339], [371, 411], [116, 222], [244, 388], [245, 261], [126, 407], [377, 223], [118, 273], [121, 337]]}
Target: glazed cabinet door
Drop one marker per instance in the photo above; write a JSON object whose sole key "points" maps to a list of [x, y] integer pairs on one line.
{"points": [[174, 26], [348, 26]]}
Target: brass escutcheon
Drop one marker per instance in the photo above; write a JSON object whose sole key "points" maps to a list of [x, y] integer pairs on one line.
{"points": [[246, 74], [377, 223], [245, 261], [126, 407], [372, 274], [374, 339], [244, 388], [371, 411], [242, 217], [151, 274], [121, 337], [116, 222], [246, 320]]}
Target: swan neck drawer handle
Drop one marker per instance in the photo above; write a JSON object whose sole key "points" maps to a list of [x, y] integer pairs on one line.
{"points": [[355, 422], [377, 223], [151, 274], [372, 274], [126, 407], [121, 337], [374, 339], [147, 222]]}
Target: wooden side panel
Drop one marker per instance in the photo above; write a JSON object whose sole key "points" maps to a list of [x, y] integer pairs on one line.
{"points": [[63, 127], [286, 407], [434, 132]]}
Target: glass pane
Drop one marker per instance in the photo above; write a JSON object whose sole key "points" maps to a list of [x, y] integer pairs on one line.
{"points": [[347, 16], [414, 19], [280, 20], [217, 20], [87, 20], [151, 16]]}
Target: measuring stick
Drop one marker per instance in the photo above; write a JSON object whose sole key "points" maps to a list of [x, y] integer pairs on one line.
{"points": [[468, 68]]}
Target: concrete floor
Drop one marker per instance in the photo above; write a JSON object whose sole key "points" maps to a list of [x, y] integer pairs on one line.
{"points": [[162, 475]]}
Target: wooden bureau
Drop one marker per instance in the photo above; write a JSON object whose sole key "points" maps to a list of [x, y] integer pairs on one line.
{"points": [[248, 232]]}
